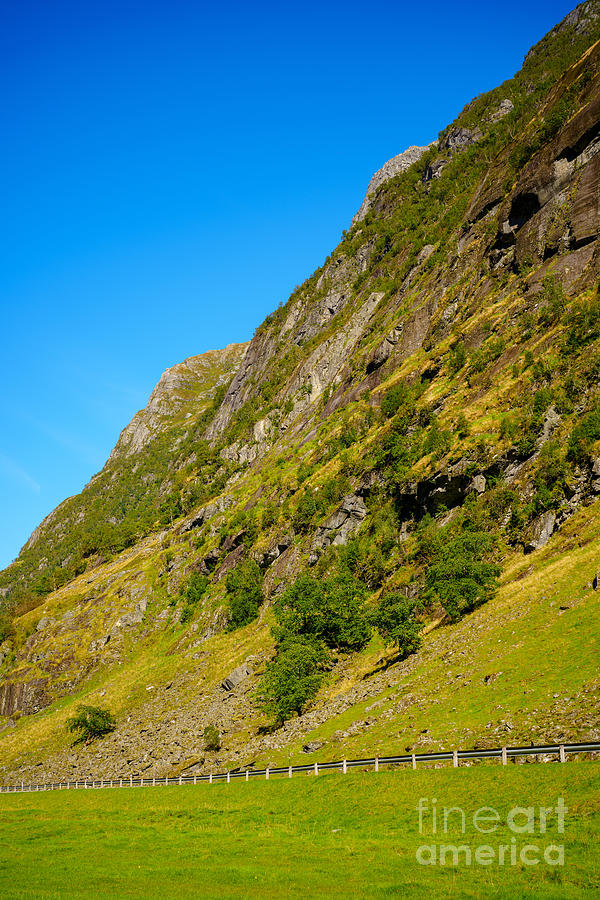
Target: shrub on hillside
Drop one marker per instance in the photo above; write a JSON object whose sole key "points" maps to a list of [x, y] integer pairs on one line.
{"points": [[212, 739], [293, 676], [192, 595], [91, 722], [395, 620], [461, 575], [331, 610], [244, 593], [583, 436]]}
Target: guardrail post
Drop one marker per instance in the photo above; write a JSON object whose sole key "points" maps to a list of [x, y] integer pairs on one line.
{"points": [[344, 767], [228, 776], [210, 778], [267, 773], [377, 764], [414, 761], [290, 771], [561, 753], [180, 779], [247, 774], [455, 759], [131, 781], [154, 782], [316, 768], [504, 756], [195, 777]]}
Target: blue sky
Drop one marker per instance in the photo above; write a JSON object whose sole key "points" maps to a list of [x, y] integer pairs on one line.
{"points": [[170, 171]]}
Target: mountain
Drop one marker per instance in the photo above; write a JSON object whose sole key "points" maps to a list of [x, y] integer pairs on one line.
{"points": [[419, 421]]}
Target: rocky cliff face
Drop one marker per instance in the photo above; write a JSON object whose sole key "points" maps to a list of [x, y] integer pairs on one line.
{"points": [[182, 393], [437, 376], [392, 167]]}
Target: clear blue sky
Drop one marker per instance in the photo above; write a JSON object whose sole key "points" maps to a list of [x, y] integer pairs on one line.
{"points": [[170, 170]]}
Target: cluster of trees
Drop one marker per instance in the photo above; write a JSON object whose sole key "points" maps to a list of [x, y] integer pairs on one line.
{"points": [[316, 617]]}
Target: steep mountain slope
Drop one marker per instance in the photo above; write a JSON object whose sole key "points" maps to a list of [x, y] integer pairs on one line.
{"points": [[420, 413]]}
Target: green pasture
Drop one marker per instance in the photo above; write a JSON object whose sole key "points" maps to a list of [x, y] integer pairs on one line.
{"points": [[351, 836]]}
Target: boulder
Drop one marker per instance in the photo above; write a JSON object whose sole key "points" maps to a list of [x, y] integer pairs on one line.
{"points": [[133, 617], [541, 531], [236, 677], [341, 524]]}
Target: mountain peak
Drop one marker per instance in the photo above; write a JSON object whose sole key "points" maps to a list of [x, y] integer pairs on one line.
{"points": [[392, 167]]}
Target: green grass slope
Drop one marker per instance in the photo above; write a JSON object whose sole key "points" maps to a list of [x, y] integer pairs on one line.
{"points": [[354, 835]]}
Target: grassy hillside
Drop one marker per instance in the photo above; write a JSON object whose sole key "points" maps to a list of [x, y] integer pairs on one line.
{"points": [[418, 425], [522, 668], [355, 835]]}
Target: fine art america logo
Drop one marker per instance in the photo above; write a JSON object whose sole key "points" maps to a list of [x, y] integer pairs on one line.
{"points": [[529, 835]]}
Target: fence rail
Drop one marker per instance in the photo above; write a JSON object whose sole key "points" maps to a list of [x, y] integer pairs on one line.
{"points": [[454, 756]]}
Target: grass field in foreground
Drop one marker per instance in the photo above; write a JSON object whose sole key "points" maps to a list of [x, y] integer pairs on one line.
{"points": [[337, 836]]}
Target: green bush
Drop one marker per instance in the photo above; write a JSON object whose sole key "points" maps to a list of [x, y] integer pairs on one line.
{"points": [[192, 595], [396, 622], [212, 739], [457, 357], [293, 676], [244, 593], [305, 512], [583, 436], [461, 575], [91, 722], [332, 610]]}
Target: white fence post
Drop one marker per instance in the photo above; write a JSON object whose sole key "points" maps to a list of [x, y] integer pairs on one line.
{"points": [[504, 756], [228, 776], [180, 779], [195, 777], [414, 761], [247, 774], [290, 770], [210, 778], [316, 768], [131, 781], [455, 759], [267, 773], [377, 764], [561, 753], [344, 767]]}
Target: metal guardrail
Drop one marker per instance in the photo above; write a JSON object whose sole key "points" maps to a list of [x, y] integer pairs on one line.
{"points": [[454, 756]]}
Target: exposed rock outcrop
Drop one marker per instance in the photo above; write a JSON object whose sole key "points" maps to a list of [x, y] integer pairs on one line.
{"points": [[391, 168]]}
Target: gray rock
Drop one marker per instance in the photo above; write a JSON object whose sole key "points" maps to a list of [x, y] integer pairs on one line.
{"points": [[541, 531], [434, 170], [460, 138], [478, 484], [312, 746], [127, 619], [392, 167], [99, 643], [341, 524], [44, 622], [236, 677], [506, 107]]}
